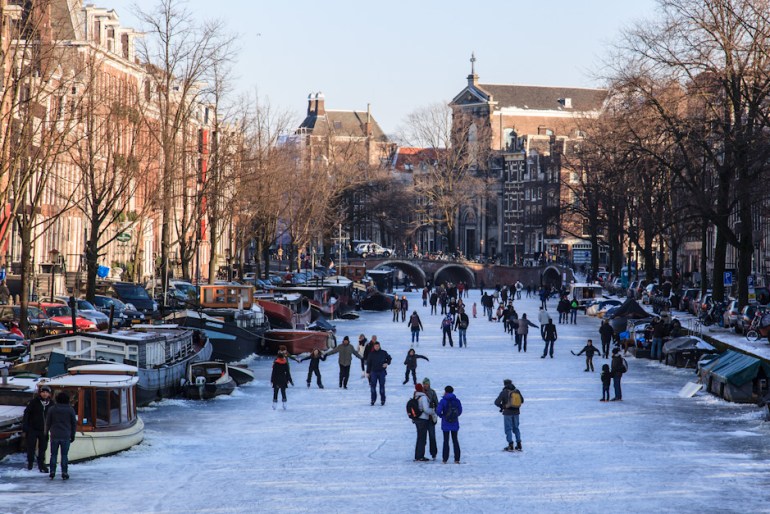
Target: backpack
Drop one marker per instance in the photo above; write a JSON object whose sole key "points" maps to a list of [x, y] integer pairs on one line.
{"points": [[463, 324], [625, 366], [451, 413], [413, 409], [574, 304], [514, 400], [447, 323]]}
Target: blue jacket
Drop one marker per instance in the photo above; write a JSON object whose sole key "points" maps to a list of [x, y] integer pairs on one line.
{"points": [[376, 361], [442, 408]]}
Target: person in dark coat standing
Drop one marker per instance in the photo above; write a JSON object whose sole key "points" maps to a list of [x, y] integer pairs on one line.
{"points": [[446, 330], [346, 353], [449, 410], [433, 302], [316, 356], [415, 324], [377, 369], [549, 336], [510, 414], [589, 349], [404, 308], [33, 425], [281, 376], [605, 332], [618, 367], [433, 401], [411, 365], [461, 325], [606, 379], [61, 422]]}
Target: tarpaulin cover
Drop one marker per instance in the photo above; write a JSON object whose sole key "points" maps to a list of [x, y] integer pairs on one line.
{"points": [[736, 368]]}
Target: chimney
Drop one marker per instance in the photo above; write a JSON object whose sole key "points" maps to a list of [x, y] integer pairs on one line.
{"points": [[368, 127], [310, 104], [320, 110]]}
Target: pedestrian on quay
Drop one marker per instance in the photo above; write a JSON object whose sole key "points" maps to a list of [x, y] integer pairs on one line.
{"points": [[422, 422], [522, 330], [5, 293], [363, 350], [396, 308], [33, 426], [461, 325], [658, 333], [281, 376], [411, 365], [316, 356], [346, 353], [433, 402], [404, 308], [549, 336], [606, 379], [433, 302], [377, 369], [618, 367], [415, 324], [589, 349], [573, 306], [449, 410], [606, 333], [61, 422], [509, 402]]}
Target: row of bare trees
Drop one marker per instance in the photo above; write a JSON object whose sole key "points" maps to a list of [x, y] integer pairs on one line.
{"points": [[683, 143]]}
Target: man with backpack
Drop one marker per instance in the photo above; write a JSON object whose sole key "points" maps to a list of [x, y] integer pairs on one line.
{"points": [[461, 324], [446, 329], [509, 402], [419, 411], [415, 324], [433, 401], [619, 366], [449, 410]]}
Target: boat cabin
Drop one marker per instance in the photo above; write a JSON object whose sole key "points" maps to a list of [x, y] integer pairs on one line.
{"points": [[584, 293], [227, 296]]}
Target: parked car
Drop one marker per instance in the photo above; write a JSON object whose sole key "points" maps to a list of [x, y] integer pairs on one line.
{"points": [[39, 324], [696, 302], [372, 250], [63, 314], [731, 314], [123, 314], [686, 297], [136, 296], [86, 310]]}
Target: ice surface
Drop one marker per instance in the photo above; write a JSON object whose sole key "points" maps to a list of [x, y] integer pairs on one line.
{"points": [[332, 452]]}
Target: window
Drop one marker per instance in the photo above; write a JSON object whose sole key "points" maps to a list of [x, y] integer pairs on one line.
{"points": [[102, 408]]}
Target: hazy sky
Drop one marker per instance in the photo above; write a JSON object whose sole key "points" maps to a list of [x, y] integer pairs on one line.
{"points": [[401, 55]]}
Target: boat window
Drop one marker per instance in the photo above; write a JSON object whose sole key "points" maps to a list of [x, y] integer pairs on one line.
{"points": [[213, 372], [102, 408], [71, 346], [124, 411], [87, 408], [115, 404]]}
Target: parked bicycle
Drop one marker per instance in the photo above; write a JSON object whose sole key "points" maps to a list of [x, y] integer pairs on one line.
{"points": [[714, 314]]}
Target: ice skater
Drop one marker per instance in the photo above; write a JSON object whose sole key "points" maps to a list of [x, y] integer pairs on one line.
{"points": [[377, 369], [589, 349], [281, 376], [411, 365], [316, 356], [606, 379], [549, 336]]}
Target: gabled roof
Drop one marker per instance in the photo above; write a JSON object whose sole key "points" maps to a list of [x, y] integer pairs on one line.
{"points": [[342, 123], [410, 158], [545, 98]]}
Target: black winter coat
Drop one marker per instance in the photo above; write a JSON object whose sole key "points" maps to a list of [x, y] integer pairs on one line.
{"points": [[616, 366], [34, 415], [502, 399], [281, 376], [376, 361], [606, 332], [549, 332], [411, 360], [589, 351], [314, 361], [61, 421]]}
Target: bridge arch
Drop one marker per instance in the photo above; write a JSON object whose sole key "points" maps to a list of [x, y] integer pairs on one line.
{"points": [[413, 271], [454, 273], [551, 276]]}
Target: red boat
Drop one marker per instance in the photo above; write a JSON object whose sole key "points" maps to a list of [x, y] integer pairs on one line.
{"points": [[298, 341], [287, 311]]}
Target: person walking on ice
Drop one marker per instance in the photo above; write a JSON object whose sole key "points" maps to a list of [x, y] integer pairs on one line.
{"points": [[606, 379], [411, 365], [280, 378], [377, 369], [415, 324], [549, 336], [346, 353], [421, 423], [509, 402]]}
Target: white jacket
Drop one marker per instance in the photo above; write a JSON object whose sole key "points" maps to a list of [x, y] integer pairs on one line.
{"points": [[422, 398], [543, 317]]}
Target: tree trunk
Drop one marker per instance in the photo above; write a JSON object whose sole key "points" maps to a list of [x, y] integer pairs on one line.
{"points": [[25, 234], [92, 261], [720, 255]]}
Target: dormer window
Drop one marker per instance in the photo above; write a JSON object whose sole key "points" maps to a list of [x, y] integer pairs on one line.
{"points": [[566, 102]]}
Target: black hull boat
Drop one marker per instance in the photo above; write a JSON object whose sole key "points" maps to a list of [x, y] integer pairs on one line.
{"points": [[234, 335], [207, 380]]}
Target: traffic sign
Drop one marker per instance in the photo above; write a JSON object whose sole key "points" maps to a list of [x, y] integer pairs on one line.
{"points": [[728, 278], [2, 273]]}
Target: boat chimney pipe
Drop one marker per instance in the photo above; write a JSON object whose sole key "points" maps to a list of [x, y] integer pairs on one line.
{"points": [[112, 317], [73, 309]]}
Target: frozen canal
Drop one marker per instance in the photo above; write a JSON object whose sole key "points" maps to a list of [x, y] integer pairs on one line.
{"points": [[332, 452]]}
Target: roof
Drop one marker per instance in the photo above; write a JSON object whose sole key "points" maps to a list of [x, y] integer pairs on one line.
{"points": [[92, 381], [409, 158], [736, 368], [545, 98], [343, 123]]}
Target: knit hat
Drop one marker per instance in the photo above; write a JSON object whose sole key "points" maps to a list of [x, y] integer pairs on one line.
{"points": [[426, 380], [508, 382], [418, 388], [46, 389], [615, 350], [449, 389]]}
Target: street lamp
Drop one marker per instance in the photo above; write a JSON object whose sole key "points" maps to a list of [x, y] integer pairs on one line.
{"points": [[54, 255]]}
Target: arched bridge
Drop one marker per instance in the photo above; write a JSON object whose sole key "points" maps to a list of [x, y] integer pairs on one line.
{"points": [[473, 274]]}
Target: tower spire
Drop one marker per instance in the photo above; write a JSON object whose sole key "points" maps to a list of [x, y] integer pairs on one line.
{"points": [[473, 79]]}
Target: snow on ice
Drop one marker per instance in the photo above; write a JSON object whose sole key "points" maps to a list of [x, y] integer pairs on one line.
{"points": [[333, 452]]}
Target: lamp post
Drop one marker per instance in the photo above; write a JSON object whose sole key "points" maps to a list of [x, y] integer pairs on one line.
{"points": [[54, 255]]}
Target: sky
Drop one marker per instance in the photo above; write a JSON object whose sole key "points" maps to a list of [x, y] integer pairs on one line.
{"points": [[400, 55]]}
